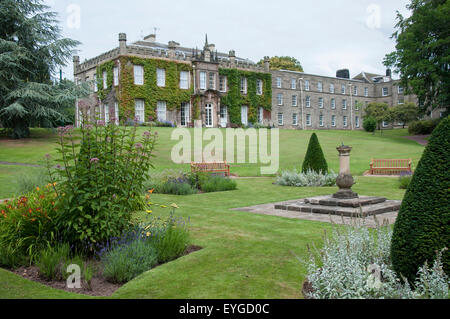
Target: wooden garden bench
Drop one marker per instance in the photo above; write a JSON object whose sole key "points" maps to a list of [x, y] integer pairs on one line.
{"points": [[216, 167], [390, 166]]}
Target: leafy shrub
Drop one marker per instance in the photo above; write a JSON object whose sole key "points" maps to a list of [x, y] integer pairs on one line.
{"points": [[50, 261], [421, 227], [404, 180], [370, 124], [101, 185], [157, 240], [314, 158], [173, 242], [423, 127], [217, 184], [355, 264], [175, 188], [10, 257], [125, 262], [27, 225], [308, 179]]}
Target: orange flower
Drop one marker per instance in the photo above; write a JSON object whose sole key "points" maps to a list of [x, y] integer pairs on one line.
{"points": [[151, 191], [30, 210]]}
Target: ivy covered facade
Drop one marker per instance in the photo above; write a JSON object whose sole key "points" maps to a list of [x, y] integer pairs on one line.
{"points": [[201, 90]]}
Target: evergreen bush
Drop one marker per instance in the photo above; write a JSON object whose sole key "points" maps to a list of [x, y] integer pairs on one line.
{"points": [[370, 124], [314, 159], [422, 225]]}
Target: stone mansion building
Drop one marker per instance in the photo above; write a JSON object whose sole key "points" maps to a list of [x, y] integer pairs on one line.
{"points": [[149, 81]]}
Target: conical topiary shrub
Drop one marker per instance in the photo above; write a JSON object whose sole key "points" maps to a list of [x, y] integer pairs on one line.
{"points": [[314, 159], [423, 223]]}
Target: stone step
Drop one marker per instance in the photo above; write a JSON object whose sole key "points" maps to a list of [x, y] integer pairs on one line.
{"points": [[355, 203], [368, 210]]}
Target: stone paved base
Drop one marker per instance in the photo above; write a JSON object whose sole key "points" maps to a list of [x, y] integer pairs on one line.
{"points": [[327, 205], [387, 217]]}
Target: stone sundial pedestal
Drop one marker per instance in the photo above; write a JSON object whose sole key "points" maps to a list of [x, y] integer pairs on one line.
{"points": [[345, 202], [345, 179]]}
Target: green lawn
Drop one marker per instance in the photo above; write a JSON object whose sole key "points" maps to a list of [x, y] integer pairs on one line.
{"points": [[244, 256]]}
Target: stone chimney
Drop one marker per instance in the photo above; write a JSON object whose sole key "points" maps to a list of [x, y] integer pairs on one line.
{"points": [[123, 43], [266, 64], [76, 63], [232, 56], [150, 38], [172, 47]]}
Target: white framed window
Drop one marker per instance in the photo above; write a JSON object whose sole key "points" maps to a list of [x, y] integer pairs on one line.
{"points": [[184, 80], [308, 120], [321, 122], [184, 114], [344, 104], [244, 114], [222, 83], [343, 89], [260, 115], [321, 102], [385, 91], [331, 88], [209, 120], [306, 85], [105, 80], [333, 104], [293, 84], [138, 75], [161, 77], [139, 110], [106, 113], [401, 100], [95, 83], [295, 119], [161, 111], [357, 121], [366, 92], [355, 90], [116, 76], [356, 105], [212, 81], [319, 86], [385, 124], [280, 119], [202, 80], [308, 101], [345, 121], [400, 90], [280, 98], [259, 87], [294, 100], [333, 120], [116, 112], [279, 83], [243, 85]]}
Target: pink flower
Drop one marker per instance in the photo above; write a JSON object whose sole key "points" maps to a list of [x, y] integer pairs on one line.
{"points": [[100, 123], [138, 145], [147, 134], [94, 160]]}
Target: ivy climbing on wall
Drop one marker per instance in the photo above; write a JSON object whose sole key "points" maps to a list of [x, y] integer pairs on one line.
{"points": [[234, 99], [127, 92]]}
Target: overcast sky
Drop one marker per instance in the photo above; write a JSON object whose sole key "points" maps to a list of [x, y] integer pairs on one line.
{"points": [[324, 35]]}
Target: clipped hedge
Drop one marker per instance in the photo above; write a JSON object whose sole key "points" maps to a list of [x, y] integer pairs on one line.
{"points": [[314, 158], [422, 226]]}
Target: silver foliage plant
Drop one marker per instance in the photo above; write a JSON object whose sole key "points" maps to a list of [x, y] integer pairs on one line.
{"points": [[308, 179], [355, 264]]}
